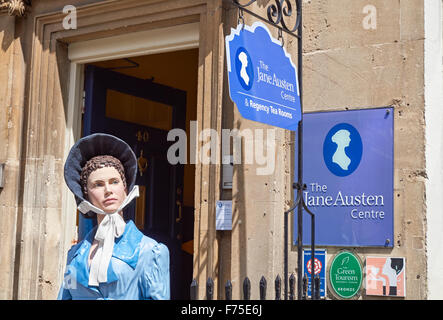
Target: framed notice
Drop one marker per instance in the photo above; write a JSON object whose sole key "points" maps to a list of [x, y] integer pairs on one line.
{"points": [[223, 214]]}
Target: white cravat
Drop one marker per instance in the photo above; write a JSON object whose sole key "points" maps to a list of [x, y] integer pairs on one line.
{"points": [[111, 227]]}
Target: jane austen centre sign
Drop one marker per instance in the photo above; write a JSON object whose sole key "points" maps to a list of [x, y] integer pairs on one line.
{"points": [[262, 78], [348, 171]]}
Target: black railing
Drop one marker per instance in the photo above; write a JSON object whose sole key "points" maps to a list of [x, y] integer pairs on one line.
{"points": [[262, 286]]}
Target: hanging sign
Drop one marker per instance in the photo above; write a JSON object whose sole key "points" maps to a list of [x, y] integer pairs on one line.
{"points": [[348, 162], [319, 269], [345, 275], [262, 78], [385, 276]]}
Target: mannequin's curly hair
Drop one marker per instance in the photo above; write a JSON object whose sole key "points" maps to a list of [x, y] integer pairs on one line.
{"points": [[97, 163]]}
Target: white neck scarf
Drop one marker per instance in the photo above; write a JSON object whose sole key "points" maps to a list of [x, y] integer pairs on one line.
{"points": [[111, 227]]}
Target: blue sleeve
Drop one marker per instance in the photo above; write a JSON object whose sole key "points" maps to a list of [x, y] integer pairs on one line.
{"points": [[156, 275], [64, 293]]}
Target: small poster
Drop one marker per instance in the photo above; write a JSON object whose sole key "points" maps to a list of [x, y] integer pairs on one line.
{"points": [[223, 214], [385, 276]]}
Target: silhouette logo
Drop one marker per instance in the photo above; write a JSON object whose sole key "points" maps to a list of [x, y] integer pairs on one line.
{"points": [[244, 68], [342, 149]]}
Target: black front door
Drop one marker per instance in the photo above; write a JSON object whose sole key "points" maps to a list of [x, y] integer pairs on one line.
{"points": [[141, 112]]}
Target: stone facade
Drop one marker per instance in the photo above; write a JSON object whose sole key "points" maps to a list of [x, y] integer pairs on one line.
{"points": [[350, 62]]}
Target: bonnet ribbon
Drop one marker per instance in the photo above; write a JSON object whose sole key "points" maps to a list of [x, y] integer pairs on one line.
{"points": [[111, 227]]}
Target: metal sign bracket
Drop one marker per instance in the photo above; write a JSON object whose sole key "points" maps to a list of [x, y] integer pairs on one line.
{"points": [[278, 14]]}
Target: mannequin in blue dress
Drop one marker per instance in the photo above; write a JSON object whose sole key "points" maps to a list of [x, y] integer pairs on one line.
{"points": [[115, 260]]}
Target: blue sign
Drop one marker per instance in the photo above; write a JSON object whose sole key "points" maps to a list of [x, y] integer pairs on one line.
{"points": [[262, 78], [348, 168], [319, 269]]}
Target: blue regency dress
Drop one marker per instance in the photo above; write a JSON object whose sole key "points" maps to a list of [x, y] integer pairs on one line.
{"points": [[139, 269]]}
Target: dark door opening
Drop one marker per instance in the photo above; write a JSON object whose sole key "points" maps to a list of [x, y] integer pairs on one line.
{"points": [[141, 112]]}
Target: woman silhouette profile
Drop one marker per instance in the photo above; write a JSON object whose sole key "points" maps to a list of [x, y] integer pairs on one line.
{"points": [[342, 139], [244, 63]]}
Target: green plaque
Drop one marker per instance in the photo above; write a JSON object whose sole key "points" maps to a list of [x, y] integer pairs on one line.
{"points": [[345, 275]]}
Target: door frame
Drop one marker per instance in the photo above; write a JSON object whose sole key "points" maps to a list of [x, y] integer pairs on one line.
{"points": [[51, 113], [181, 37]]}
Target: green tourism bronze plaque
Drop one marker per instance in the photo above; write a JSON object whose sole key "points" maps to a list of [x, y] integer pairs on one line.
{"points": [[345, 275]]}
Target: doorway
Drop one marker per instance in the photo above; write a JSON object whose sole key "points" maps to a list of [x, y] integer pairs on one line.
{"points": [[139, 99]]}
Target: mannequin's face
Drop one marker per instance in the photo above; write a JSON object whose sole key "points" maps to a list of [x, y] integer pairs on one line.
{"points": [[106, 190]]}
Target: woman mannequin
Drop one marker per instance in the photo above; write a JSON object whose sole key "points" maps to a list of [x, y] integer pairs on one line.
{"points": [[115, 260]]}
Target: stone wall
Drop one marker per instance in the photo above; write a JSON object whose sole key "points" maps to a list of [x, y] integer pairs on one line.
{"points": [[11, 113]]}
